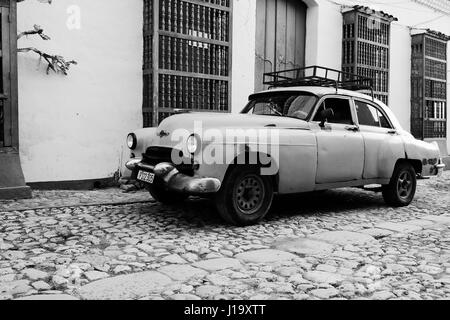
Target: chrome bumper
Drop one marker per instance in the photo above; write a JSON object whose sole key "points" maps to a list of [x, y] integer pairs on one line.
{"points": [[177, 181], [131, 164]]}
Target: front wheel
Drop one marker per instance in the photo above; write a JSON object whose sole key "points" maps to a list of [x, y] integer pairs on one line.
{"points": [[245, 197], [402, 187]]}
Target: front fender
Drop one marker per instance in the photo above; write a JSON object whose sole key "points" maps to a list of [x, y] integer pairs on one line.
{"points": [[145, 138], [217, 168]]}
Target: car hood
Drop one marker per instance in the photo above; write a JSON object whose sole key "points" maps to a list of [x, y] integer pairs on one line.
{"points": [[226, 120], [174, 131]]}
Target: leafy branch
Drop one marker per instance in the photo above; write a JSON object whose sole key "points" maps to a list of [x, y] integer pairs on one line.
{"points": [[56, 63], [37, 30]]}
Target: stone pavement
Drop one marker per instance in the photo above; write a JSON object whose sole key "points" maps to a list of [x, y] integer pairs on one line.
{"points": [[343, 244], [67, 198]]}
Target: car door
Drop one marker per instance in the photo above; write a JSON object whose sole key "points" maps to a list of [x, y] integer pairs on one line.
{"points": [[382, 144], [340, 146]]}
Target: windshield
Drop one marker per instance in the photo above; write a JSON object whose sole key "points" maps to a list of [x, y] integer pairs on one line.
{"points": [[288, 104]]}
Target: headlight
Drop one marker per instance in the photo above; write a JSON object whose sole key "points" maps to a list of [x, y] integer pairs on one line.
{"points": [[132, 141], [192, 144]]}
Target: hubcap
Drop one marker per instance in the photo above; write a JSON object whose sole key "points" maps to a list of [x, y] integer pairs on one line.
{"points": [[249, 193], [404, 185]]}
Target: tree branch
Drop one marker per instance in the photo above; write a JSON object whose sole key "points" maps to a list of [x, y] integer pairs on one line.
{"points": [[37, 30], [55, 62]]}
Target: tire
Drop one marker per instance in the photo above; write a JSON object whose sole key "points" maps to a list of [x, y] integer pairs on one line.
{"points": [[401, 189], [160, 194], [245, 196]]}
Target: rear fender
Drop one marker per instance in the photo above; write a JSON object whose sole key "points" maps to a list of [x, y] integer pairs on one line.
{"points": [[425, 152]]}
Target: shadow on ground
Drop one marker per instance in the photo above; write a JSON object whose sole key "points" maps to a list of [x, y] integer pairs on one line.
{"points": [[202, 212]]}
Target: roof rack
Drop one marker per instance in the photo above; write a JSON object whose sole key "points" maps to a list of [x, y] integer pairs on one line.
{"points": [[318, 76]]}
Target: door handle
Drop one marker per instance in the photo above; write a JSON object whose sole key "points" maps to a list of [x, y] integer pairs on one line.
{"points": [[352, 128], [392, 132]]}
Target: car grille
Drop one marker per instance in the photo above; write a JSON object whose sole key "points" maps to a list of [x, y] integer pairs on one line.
{"points": [[156, 155]]}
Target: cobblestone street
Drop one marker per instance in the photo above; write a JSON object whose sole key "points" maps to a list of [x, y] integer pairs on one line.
{"points": [[344, 244]]}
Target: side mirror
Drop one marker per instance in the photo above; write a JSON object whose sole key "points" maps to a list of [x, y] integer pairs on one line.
{"points": [[324, 115]]}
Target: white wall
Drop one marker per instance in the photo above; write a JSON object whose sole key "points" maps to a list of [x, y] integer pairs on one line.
{"points": [[400, 75], [73, 127], [323, 34], [243, 55]]}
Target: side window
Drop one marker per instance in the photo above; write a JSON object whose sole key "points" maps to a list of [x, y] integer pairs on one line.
{"points": [[368, 115], [341, 109], [384, 123]]}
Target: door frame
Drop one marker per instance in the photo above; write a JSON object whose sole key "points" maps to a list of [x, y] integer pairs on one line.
{"points": [[12, 181], [9, 92], [278, 24]]}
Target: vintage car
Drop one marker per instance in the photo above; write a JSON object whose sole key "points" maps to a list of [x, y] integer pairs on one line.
{"points": [[315, 138]]}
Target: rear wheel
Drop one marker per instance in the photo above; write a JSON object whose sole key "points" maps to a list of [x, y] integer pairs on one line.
{"points": [[245, 196], [402, 187], [161, 194]]}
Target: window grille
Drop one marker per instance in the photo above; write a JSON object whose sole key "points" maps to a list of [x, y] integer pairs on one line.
{"points": [[2, 111], [187, 57], [429, 85], [366, 38]]}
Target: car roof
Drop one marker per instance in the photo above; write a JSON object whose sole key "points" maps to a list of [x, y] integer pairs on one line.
{"points": [[322, 91]]}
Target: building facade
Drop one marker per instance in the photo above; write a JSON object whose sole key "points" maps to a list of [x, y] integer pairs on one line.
{"points": [[141, 60]]}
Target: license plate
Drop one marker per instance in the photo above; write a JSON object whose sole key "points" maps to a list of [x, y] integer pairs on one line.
{"points": [[146, 176]]}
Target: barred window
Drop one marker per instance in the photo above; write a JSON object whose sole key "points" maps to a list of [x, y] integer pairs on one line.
{"points": [[366, 39], [188, 67], [429, 85]]}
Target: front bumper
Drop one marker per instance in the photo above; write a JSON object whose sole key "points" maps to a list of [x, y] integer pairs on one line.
{"points": [[176, 181], [439, 168]]}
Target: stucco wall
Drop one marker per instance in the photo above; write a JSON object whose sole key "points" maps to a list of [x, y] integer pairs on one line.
{"points": [[243, 63], [400, 75], [323, 34], [73, 127]]}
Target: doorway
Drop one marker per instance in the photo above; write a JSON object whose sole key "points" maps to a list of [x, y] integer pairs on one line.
{"points": [[280, 37], [12, 182], [5, 89]]}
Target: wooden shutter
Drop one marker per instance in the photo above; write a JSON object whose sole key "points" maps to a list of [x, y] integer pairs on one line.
{"points": [[280, 37], [187, 57]]}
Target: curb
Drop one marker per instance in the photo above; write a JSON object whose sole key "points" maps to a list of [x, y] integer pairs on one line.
{"points": [[120, 203]]}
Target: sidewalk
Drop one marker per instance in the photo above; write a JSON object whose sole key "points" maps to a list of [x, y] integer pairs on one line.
{"points": [[65, 198]]}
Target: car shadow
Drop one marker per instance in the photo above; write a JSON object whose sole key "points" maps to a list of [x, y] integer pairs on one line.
{"points": [[324, 202], [202, 212]]}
